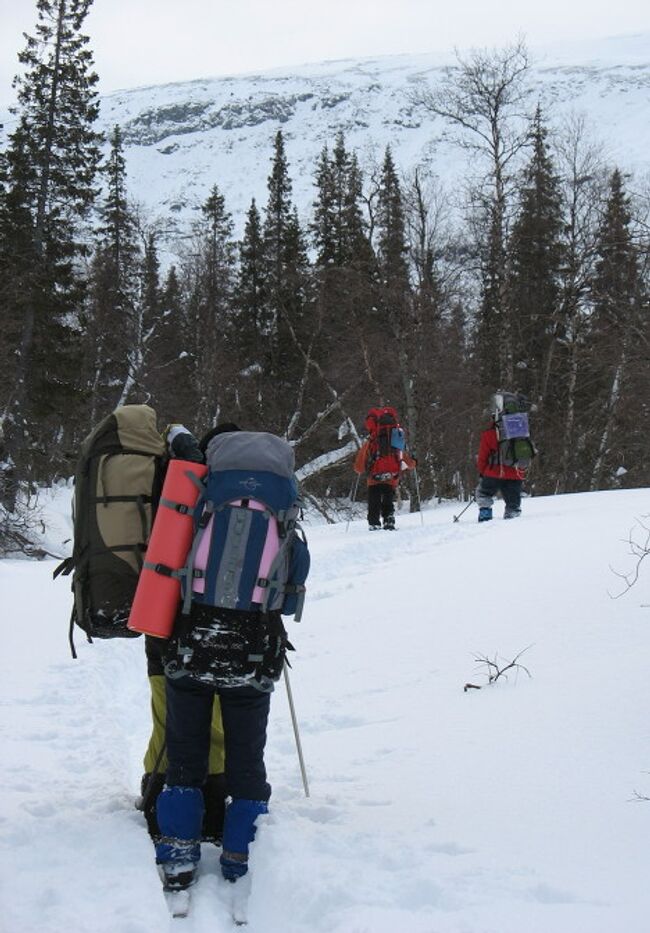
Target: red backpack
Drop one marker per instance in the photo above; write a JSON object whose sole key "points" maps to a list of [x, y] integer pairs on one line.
{"points": [[386, 444]]}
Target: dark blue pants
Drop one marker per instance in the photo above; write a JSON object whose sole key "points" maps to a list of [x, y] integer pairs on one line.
{"points": [[244, 711]]}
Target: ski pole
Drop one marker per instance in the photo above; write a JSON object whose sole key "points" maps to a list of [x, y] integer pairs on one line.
{"points": [[417, 489], [353, 496], [294, 722], [473, 499]]}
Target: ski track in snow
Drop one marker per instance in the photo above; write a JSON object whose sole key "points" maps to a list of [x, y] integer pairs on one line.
{"points": [[431, 810]]}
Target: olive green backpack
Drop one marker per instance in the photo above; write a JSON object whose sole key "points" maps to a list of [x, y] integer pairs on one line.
{"points": [[117, 485]]}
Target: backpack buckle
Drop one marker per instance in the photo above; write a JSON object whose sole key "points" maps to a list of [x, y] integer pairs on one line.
{"points": [[164, 570]]}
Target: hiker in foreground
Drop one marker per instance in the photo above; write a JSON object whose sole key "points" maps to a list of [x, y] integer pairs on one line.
{"points": [[383, 457], [118, 481], [182, 445], [246, 566], [505, 453], [155, 757]]}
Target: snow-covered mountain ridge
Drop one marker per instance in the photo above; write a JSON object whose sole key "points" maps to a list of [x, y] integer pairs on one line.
{"points": [[183, 138]]}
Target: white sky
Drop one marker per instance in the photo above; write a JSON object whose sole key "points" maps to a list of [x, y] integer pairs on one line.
{"points": [[140, 42]]}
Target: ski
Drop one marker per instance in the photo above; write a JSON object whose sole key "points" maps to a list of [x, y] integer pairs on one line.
{"points": [[239, 918], [239, 893], [177, 897], [178, 903]]}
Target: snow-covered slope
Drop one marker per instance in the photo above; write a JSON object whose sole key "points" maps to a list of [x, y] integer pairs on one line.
{"points": [[183, 138], [432, 810]]}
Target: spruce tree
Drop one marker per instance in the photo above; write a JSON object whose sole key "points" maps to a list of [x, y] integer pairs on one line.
{"points": [[249, 292], [47, 189], [535, 258], [338, 229], [535, 308], [323, 226], [617, 318], [277, 218], [285, 288], [211, 282], [114, 309], [344, 269], [249, 323], [493, 339], [169, 363], [395, 299], [391, 234]]}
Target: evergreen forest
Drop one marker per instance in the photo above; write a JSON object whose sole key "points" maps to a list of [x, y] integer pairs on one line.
{"points": [[540, 285]]}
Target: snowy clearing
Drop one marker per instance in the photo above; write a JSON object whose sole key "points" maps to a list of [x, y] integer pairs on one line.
{"points": [[508, 809]]}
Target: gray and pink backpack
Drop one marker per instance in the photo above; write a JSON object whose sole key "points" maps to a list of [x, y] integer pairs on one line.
{"points": [[249, 551]]}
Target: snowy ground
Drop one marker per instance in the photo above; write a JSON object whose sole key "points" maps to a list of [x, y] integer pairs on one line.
{"points": [[502, 810]]}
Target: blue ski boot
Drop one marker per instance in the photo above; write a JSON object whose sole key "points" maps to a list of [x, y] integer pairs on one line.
{"points": [[178, 849], [238, 832], [484, 514]]}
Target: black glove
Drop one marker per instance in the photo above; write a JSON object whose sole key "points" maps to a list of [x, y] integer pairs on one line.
{"points": [[182, 444]]}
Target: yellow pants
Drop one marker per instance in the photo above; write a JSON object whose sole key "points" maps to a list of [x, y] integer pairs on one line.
{"points": [[157, 739]]}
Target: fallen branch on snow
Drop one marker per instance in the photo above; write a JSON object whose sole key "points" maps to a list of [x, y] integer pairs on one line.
{"points": [[494, 669]]}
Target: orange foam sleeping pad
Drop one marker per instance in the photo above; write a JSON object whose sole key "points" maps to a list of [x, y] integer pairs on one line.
{"points": [[157, 596]]}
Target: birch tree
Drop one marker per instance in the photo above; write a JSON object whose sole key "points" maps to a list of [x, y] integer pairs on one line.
{"points": [[484, 99]]}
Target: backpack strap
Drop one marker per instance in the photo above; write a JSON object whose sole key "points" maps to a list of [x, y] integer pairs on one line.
{"points": [[65, 567], [178, 506], [188, 570], [232, 558], [267, 583]]}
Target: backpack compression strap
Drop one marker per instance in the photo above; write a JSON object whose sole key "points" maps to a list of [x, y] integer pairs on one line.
{"points": [[163, 569], [268, 583]]}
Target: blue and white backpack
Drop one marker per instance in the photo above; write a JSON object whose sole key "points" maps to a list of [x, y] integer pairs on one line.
{"points": [[248, 551]]}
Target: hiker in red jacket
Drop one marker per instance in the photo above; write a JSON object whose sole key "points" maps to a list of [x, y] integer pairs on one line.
{"points": [[383, 457], [497, 477]]}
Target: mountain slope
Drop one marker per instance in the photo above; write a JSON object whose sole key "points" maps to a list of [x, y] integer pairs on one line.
{"points": [[183, 138], [432, 809]]}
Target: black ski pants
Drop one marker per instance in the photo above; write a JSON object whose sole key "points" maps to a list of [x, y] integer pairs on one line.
{"points": [[381, 502], [244, 713]]}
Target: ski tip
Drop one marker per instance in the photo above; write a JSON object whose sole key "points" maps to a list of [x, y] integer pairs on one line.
{"points": [[178, 903]]}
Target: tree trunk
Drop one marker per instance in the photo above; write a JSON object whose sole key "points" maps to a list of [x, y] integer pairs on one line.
{"points": [[612, 406]]}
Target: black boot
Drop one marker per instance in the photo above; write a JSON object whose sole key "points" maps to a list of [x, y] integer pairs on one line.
{"points": [[176, 880], [150, 786]]}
